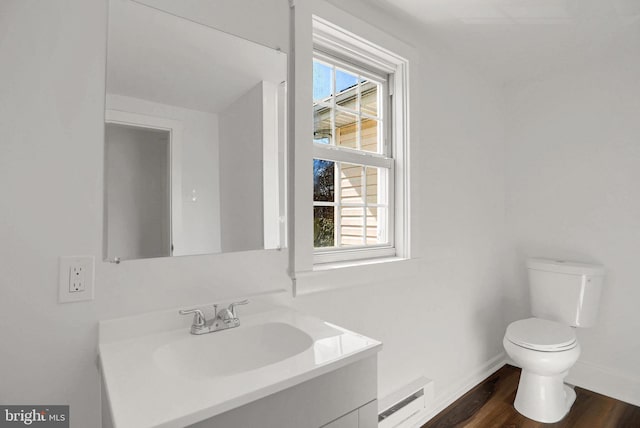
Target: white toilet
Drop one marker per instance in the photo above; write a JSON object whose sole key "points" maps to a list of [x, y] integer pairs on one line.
{"points": [[563, 295]]}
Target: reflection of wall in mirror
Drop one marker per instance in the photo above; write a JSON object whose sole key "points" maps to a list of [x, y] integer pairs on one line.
{"points": [[200, 219], [241, 201]]}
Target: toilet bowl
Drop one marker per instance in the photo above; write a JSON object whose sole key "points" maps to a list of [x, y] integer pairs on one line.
{"points": [[545, 350]]}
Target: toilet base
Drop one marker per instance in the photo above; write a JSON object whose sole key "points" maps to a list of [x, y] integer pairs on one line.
{"points": [[543, 398]]}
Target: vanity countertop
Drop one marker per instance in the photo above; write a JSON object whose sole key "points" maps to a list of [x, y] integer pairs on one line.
{"points": [[147, 386]]}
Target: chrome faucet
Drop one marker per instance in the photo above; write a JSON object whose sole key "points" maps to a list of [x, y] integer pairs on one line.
{"points": [[226, 318]]}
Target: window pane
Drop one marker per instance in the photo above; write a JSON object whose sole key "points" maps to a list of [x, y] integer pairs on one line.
{"points": [[369, 132], [372, 189], [369, 95], [323, 180], [345, 80], [352, 226], [376, 221], [323, 227], [348, 98], [346, 130], [351, 184], [322, 129], [321, 81]]}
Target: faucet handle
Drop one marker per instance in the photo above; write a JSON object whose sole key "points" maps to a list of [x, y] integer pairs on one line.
{"points": [[198, 316], [232, 307]]}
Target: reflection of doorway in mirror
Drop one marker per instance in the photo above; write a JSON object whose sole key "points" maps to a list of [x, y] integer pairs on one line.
{"points": [[138, 191], [142, 186]]}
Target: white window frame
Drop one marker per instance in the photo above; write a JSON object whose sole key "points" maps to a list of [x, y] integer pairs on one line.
{"points": [[340, 155], [344, 49]]}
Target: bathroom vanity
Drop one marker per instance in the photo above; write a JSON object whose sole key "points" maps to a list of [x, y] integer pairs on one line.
{"points": [[278, 369]]}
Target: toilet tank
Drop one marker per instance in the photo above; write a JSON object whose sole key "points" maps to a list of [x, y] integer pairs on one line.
{"points": [[563, 291]]}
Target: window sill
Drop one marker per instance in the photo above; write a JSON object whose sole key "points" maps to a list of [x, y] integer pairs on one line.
{"points": [[353, 263], [353, 256], [339, 275]]}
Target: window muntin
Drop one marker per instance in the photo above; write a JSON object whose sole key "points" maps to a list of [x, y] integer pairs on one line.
{"points": [[352, 166]]}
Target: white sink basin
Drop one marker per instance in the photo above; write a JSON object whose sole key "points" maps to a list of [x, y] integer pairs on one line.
{"points": [[156, 374], [231, 351]]}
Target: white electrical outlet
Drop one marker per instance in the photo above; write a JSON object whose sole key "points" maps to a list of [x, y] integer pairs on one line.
{"points": [[76, 279]]}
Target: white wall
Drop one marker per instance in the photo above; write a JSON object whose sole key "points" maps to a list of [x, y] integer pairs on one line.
{"points": [[199, 166], [573, 173], [444, 320], [241, 142], [138, 193]]}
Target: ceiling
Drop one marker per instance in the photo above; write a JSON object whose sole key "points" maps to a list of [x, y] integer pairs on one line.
{"points": [[511, 40], [159, 57], [505, 40]]}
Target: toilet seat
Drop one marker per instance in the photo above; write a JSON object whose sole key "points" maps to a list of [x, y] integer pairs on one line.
{"points": [[541, 335]]}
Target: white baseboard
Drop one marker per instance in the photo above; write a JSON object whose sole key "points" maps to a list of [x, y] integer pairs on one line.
{"points": [[603, 380], [457, 390]]}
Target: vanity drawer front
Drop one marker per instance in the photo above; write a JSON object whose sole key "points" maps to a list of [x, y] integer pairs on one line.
{"points": [[350, 420], [364, 417]]}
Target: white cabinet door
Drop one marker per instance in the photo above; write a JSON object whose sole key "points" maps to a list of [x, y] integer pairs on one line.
{"points": [[350, 420]]}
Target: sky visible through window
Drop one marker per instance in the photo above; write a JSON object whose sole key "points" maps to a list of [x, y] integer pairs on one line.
{"points": [[322, 81]]}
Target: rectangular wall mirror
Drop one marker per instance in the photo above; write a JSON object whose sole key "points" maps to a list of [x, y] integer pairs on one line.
{"points": [[194, 138]]}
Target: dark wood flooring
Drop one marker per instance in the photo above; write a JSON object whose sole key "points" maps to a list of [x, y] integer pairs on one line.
{"points": [[490, 404]]}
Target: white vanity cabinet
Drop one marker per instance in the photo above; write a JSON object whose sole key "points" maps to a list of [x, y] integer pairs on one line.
{"points": [[344, 398]]}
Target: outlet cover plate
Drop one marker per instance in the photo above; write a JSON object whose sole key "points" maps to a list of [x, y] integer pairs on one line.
{"points": [[68, 293]]}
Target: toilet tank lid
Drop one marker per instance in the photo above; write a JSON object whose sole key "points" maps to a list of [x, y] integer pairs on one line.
{"points": [[564, 266]]}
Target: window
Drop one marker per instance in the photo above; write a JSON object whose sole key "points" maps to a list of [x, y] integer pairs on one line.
{"points": [[357, 149]]}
